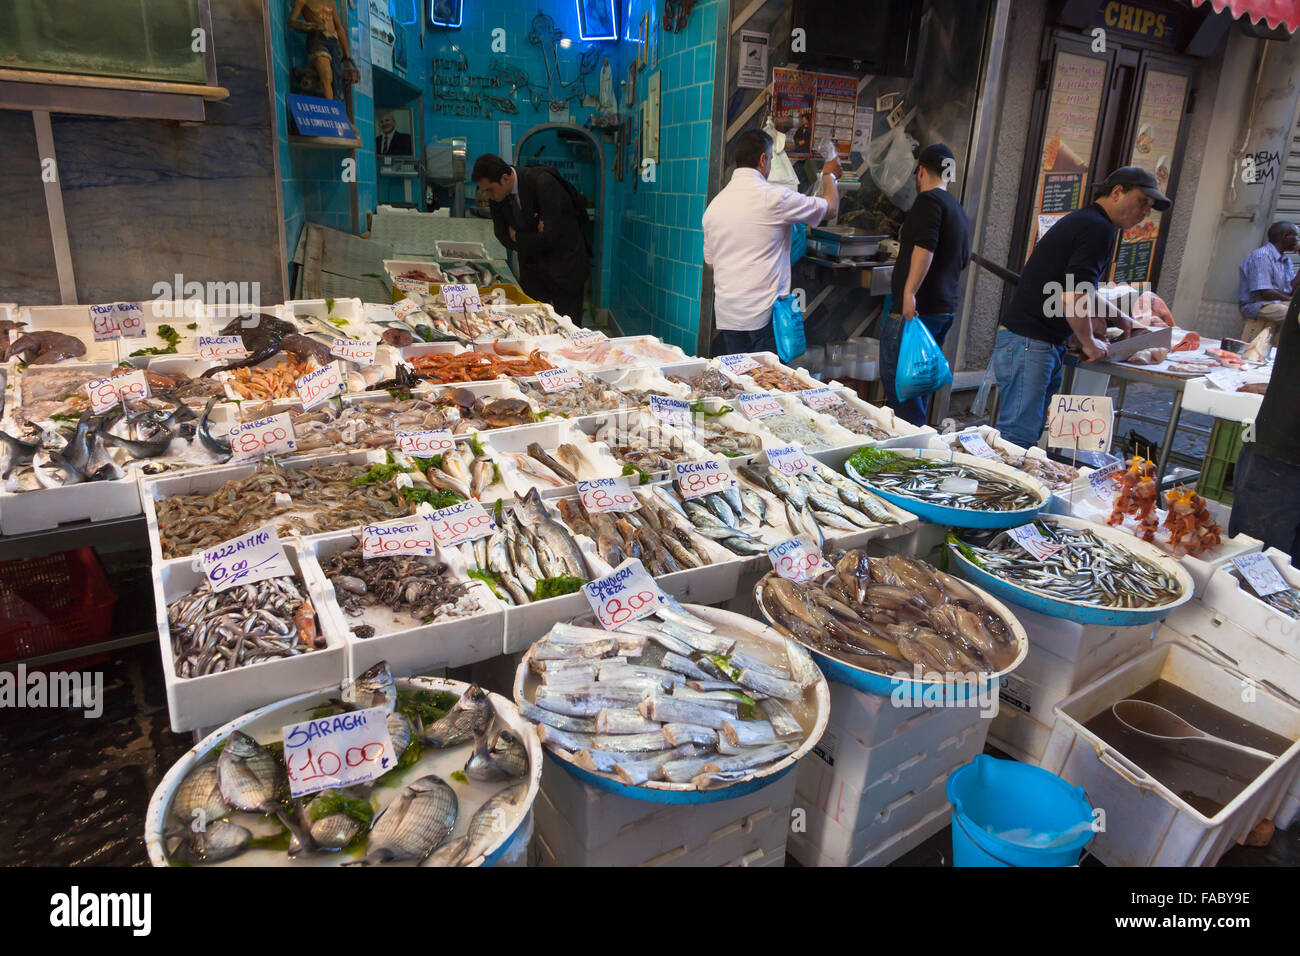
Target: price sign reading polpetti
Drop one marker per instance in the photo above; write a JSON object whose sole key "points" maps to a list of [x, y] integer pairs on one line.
{"points": [[977, 446], [331, 753], [607, 494], [819, 398], [737, 364], [319, 385], [425, 443], [699, 478], [461, 297], [627, 593], [1031, 539], [558, 379], [1260, 571], [251, 441], [106, 392], [130, 319], [392, 538], [354, 350], [222, 348], [247, 559], [466, 521], [798, 559], [759, 404], [103, 323], [790, 460], [670, 411]]}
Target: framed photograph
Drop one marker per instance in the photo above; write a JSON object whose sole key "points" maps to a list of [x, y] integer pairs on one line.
{"points": [[394, 132], [446, 13], [596, 20], [642, 57], [631, 84]]}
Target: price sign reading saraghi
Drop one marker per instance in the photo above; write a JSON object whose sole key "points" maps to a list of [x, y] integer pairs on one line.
{"points": [[699, 478], [273, 435], [334, 752], [798, 559], [627, 593], [249, 558], [759, 404], [466, 521], [607, 494]]}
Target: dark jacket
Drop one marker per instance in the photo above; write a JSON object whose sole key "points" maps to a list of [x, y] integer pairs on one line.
{"points": [[560, 253]]}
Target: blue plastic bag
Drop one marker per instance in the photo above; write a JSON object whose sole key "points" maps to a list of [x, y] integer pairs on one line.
{"points": [[922, 368], [798, 242], [787, 327]]}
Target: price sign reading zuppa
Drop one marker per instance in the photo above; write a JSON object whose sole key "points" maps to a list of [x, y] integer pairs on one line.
{"points": [[106, 392], [251, 441], [798, 559], [461, 297], [103, 323], [737, 364], [699, 478], [1260, 571], [627, 593], [977, 446], [252, 557], [819, 398], [1080, 421], [790, 460], [607, 494], [671, 411], [558, 379], [319, 385], [354, 350], [222, 348], [130, 319], [331, 753], [425, 443], [466, 521], [759, 404], [400, 536]]}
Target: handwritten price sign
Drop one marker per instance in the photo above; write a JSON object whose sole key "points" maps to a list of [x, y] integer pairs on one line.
{"points": [[411, 285], [1080, 421], [977, 446], [790, 460], [319, 385], [391, 538], [737, 364], [1260, 571], [558, 379], [607, 494], [253, 557], [759, 404], [1101, 483], [103, 323], [671, 411], [222, 348], [1031, 539], [699, 478], [819, 398], [354, 350], [130, 319], [798, 560], [587, 338], [627, 593], [339, 751], [106, 392], [461, 297], [425, 443], [466, 521], [404, 308], [272, 435]]}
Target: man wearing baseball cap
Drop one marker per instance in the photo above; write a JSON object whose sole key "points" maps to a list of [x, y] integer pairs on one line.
{"points": [[1056, 300]]}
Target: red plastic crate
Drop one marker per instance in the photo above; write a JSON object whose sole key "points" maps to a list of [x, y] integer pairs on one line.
{"points": [[53, 603]]}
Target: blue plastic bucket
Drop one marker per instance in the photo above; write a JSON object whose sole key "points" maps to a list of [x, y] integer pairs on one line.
{"points": [[1006, 813]]}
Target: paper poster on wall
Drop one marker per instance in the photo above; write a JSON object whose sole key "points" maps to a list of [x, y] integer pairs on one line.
{"points": [[753, 60], [382, 36], [864, 120], [811, 107], [650, 119]]}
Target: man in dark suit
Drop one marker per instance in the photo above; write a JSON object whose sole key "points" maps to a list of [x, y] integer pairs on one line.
{"points": [[390, 141], [533, 213]]}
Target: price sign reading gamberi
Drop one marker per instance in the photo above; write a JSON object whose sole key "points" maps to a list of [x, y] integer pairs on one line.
{"points": [[251, 441], [1031, 539], [607, 494], [130, 319], [222, 348], [1080, 421], [404, 308], [466, 521], [103, 323], [354, 350], [1262, 574], [425, 443], [819, 398], [558, 379], [586, 338], [759, 404], [798, 559], [331, 753], [977, 446], [790, 460], [461, 297], [319, 385], [252, 557], [106, 392], [699, 478], [737, 364], [671, 411], [399, 536], [627, 593], [411, 285]]}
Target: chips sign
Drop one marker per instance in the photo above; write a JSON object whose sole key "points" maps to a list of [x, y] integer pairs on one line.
{"points": [[1083, 422], [252, 441], [106, 392], [699, 478], [558, 379], [461, 297], [319, 385], [759, 404], [601, 495], [626, 594], [222, 348], [798, 560], [247, 559], [399, 536], [330, 753]]}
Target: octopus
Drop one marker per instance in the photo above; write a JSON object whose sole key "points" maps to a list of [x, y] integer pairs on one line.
{"points": [[422, 587]]}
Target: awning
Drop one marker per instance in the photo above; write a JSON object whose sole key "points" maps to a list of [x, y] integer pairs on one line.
{"points": [[1272, 12]]}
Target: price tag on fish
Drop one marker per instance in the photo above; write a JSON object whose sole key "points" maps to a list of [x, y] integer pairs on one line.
{"points": [[1031, 539], [411, 285], [627, 593], [819, 398], [699, 478], [106, 392], [354, 350], [1080, 421], [319, 385], [404, 308], [400, 536], [252, 441], [103, 323], [586, 338], [977, 446], [671, 411], [130, 319], [558, 379], [247, 559], [331, 753], [461, 297], [790, 460], [222, 348], [737, 364], [1101, 482], [1262, 574], [607, 494], [466, 521], [759, 404], [425, 443], [798, 560]]}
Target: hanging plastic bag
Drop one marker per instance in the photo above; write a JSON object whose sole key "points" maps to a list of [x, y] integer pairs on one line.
{"points": [[782, 172], [787, 327], [892, 164], [922, 368]]}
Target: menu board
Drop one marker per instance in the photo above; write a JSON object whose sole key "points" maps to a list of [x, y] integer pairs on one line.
{"points": [[1160, 115], [811, 107], [1072, 116]]}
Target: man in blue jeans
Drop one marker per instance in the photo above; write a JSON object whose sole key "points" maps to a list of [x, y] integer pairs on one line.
{"points": [[933, 249], [1056, 299]]}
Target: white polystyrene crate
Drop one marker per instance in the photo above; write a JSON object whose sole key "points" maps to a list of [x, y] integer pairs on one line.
{"points": [[771, 360], [213, 699], [1234, 603], [835, 850], [1148, 824], [581, 359], [906, 435], [347, 311], [1200, 396], [42, 509], [394, 267], [599, 463], [642, 377], [1015, 731], [74, 320]]}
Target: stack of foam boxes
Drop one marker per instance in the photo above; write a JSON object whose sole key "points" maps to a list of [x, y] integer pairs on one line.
{"points": [[873, 788]]}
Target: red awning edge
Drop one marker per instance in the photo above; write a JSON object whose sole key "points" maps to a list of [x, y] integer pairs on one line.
{"points": [[1272, 12]]}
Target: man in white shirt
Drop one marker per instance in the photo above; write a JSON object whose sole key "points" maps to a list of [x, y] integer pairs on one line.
{"points": [[747, 242]]}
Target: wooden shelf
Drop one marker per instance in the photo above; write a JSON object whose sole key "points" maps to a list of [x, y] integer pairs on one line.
{"points": [[106, 95]]}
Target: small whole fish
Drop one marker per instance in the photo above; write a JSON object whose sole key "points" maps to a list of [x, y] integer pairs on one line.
{"points": [[199, 796], [505, 759], [214, 843], [472, 715], [248, 774], [449, 854], [491, 822], [414, 824]]}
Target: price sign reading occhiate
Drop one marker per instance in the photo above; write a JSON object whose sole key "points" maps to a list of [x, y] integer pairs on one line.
{"points": [[1262, 574], [411, 285], [790, 460], [466, 521], [425, 443], [461, 297], [1031, 539], [354, 350], [819, 398], [671, 411], [759, 404], [252, 557], [319, 385], [699, 478], [106, 392], [977, 446], [607, 494], [331, 753], [737, 364], [1080, 421], [798, 559], [222, 348], [251, 441], [130, 319], [558, 379], [103, 323], [400, 536], [627, 593]]}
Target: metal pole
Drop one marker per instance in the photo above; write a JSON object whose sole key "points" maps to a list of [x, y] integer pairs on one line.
{"points": [[54, 208]]}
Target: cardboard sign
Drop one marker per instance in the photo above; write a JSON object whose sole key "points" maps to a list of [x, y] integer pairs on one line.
{"points": [[696, 479], [252, 441], [558, 379], [1262, 574], [759, 404], [319, 385], [106, 392], [222, 348], [819, 398], [798, 559], [252, 557], [626, 594], [790, 460], [130, 319], [354, 350], [737, 364], [330, 753], [977, 446], [461, 297], [103, 323], [425, 443], [601, 495], [1031, 539], [466, 521], [1084, 422], [397, 537], [671, 411]]}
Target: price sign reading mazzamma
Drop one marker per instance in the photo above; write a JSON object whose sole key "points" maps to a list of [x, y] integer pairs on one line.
{"points": [[461, 297], [130, 319], [790, 460], [558, 379], [272, 435], [425, 443], [1260, 571], [222, 348], [335, 752], [798, 559], [699, 478], [759, 404], [607, 494], [466, 521], [319, 385], [253, 557], [103, 323], [819, 398], [1080, 421], [354, 350], [737, 364], [627, 593], [672, 411], [106, 392], [400, 536]]}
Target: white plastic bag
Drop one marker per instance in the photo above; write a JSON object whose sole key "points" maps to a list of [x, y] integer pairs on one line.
{"points": [[891, 163], [782, 172]]}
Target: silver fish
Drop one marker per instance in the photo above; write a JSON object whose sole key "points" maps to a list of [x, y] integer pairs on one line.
{"points": [[412, 825], [449, 854], [668, 710], [783, 724], [332, 831], [199, 796], [750, 757], [471, 715], [581, 725], [247, 773], [374, 688], [216, 842], [488, 825], [678, 734], [505, 759]]}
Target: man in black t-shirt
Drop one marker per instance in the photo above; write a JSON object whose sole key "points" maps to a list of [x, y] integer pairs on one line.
{"points": [[1056, 300], [933, 249]]}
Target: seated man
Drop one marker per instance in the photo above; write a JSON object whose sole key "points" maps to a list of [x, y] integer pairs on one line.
{"points": [[1268, 280]]}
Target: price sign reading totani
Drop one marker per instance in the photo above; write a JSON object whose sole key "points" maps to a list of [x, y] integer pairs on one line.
{"points": [[819, 398], [130, 319], [977, 446], [252, 557], [607, 494], [558, 379], [425, 443], [798, 559], [319, 385], [790, 460], [759, 404], [251, 441], [354, 350], [1031, 539], [699, 478], [103, 323], [1262, 574], [222, 348], [400, 536], [106, 392], [461, 297], [737, 364], [627, 593], [1080, 421], [466, 521], [671, 411], [331, 753]]}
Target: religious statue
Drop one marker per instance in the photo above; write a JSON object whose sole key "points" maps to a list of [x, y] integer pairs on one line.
{"points": [[607, 102], [327, 48]]}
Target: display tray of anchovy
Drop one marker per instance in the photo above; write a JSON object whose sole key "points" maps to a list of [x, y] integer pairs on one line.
{"points": [[689, 705], [1078, 570], [1287, 601], [823, 504], [465, 769]]}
